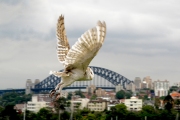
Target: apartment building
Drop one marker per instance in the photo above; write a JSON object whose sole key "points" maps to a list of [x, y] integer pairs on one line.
{"points": [[79, 103], [161, 88], [133, 104], [97, 105], [37, 102], [100, 92]]}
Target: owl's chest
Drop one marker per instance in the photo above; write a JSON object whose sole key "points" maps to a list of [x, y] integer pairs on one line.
{"points": [[78, 75]]}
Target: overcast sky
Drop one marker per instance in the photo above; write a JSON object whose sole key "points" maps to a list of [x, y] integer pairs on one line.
{"points": [[143, 37]]}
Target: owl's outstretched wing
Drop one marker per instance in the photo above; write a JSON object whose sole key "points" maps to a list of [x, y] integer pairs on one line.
{"points": [[86, 48], [62, 41]]}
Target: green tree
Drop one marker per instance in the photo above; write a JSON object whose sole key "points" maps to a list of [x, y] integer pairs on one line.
{"points": [[149, 112], [177, 104], [81, 114], [166, 115], [119, 111], [79, 92], [120, 94], [44, 114], [14, 98], [1, 110], [162, 97], [30, 115], [69, 96], [123, 94], [60, 105], [173, 88], [157, 103], [65, 115], [133, 116], [91, 116], [93, 97], [10, 113], [168, 103]]}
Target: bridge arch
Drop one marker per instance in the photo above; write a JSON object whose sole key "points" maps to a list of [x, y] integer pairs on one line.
{"points": [[111, 76]]}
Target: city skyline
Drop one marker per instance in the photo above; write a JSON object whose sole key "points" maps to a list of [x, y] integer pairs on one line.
{"points": [[142, 37]]}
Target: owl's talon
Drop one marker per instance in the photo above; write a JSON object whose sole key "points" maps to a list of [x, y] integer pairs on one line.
{"points": [[51, 93], [57, 97]]}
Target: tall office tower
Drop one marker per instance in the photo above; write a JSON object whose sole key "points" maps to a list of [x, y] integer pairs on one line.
{"points": [[148, 82], [137, 82], [161, 88]]}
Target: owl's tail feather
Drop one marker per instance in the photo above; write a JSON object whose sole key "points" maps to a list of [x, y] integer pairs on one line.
{"points": [[58, 74]]}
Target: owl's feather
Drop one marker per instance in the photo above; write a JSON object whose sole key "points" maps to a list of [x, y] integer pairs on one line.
{"points": [[84, 50], [77, 59], [62, 41]]}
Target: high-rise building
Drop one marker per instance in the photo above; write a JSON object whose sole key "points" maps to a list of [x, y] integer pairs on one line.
{"points": [[144, 84], [148, 82], [161, 88], [119, 87], [131, 87], [137, 82], [91, 89], [100, 92]]}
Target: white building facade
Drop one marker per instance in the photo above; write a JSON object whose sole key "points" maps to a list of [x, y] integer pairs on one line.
{"points": [[79, 103], [130, 86], [35, 105], [133, 104], [118, 88], [161, 88]]}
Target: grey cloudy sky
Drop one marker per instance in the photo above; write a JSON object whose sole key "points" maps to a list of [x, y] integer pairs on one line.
{"points": [[143, 37]]}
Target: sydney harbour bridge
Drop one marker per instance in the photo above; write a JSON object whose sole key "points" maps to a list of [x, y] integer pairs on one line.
{"points": [[104, 78]]}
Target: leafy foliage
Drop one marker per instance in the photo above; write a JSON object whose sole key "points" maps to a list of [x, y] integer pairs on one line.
{"points": [[169, 102], [14, 98], [93, 97], [79, 92], [123, 94], [117, 112], [173, 88]]}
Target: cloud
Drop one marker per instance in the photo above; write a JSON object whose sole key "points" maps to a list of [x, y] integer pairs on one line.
{"points": [[142, 37]]}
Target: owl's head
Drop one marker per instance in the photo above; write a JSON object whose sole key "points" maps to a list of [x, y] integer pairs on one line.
{"points": [[90, 73]]}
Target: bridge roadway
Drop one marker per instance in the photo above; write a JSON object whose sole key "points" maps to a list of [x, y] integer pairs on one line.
{"points": [[46, 89]]}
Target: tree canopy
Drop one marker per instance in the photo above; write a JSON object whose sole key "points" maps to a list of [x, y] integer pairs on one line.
{"points": [[14, 98], [123, 94]]}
